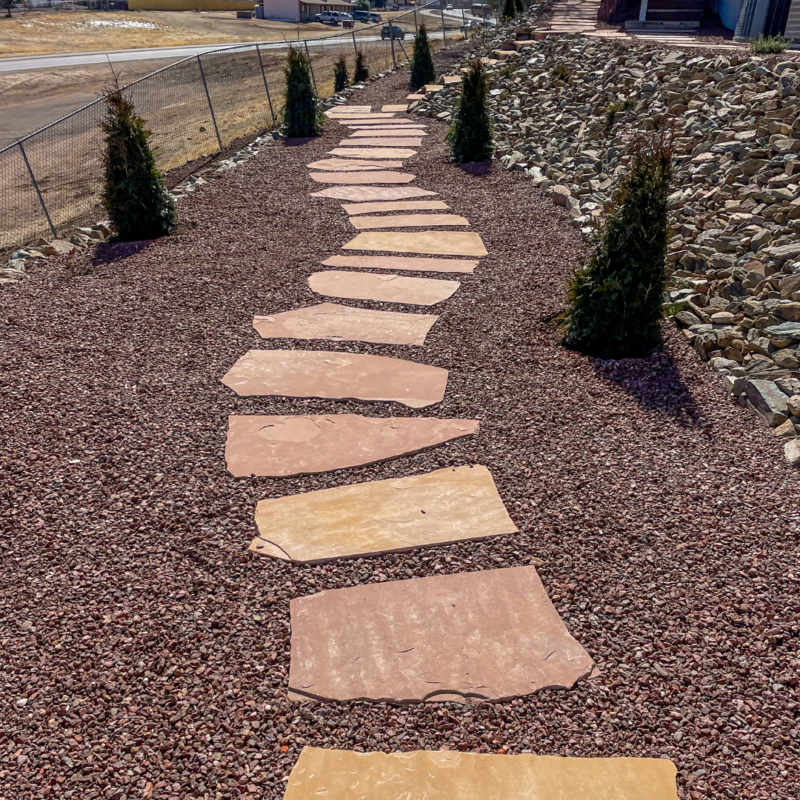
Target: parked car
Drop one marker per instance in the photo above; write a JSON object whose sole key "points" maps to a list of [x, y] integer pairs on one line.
{"points": [[373, 17], [342, 15], [361, 16], [327, 18], [392, 32], [448, 7]]}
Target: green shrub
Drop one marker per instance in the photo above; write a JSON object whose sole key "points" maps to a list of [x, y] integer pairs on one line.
{"points": [[133, 192], [422, 69], [361, 72], [301, 113], [470, 137], [339, 74], [769, 44], [614, 301], [561, 72], [620, 107], [509, 9], [520, 8]]}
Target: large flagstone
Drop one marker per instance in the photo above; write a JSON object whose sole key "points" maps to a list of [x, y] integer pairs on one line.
{"points": [[336, 376], [408, 263], [382, 288], [386, 133], [361, 193], [378, 142], [342, 323], [339, 110], [407, 221], [323, 774], [372, 152], [433, 242], [352, 164], [448, 505], [272, 446], [489, 635], [373, 176], [396, 107], [365, 123], [397, 205]]}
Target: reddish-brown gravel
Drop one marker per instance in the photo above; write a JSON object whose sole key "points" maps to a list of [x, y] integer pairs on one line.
{"points": [[145, 652]]}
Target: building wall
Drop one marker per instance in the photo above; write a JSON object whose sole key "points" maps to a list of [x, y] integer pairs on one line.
{"points": [[191, 5], [282, 9], [793, 22]]}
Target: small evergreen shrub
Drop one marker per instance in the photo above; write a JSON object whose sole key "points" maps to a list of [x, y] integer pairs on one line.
{"points": [[470, 137], [339, 74], [133, 192], [561, 72], [361, 72], [520, 8], [614, 301], [769, 44], [620, 107], [509, 9], [422, 69], [301, 112]]}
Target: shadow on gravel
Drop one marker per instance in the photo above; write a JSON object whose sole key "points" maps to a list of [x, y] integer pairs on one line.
{"points": [[298, 142], [109, 252], [479, 168], [654, 381]]}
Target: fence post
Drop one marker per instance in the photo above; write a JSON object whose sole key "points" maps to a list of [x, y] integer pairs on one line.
{"points": [[391, 39], [38, 193], [310, 65], [208, 97], [416, 30], [444, 32], [266, 88], [355, 47]]}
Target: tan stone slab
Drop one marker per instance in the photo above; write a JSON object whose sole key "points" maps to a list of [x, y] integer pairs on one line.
{"points": [[388, 132], [448, 79], [382, 288], [433, 87], [407, 221], [394, 107], [395, 205], [372, 176], [414, 96], [385, 123], [426, 775], [337, 110], [490, 635], [365, 193], [448, 505], [378, 142], [307, 445], [372, 152], [362, 115], [352, 164], [432, 242], [408, 263], [345, 324], [336, 376]]}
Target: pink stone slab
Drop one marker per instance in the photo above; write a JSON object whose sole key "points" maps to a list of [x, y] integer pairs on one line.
{"points": [[491, 635], [380, 123], [363, 193], [388, 132], [349, 117], [336, 376], [414, 96], [372, 152], [451, 79], [393, 108], [382, 288], [408, 263], [352, 164], [407, 221], [433, 87], [338, 110], [445, 243], [307, 445], [371, 176], [339, 323], [378, 142], [397, 205]]}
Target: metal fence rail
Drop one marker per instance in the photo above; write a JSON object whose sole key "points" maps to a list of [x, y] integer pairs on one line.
{"points": [[51, 180]]}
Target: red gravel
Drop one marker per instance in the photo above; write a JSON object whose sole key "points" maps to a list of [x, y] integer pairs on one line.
{"points": [[145, 650]]}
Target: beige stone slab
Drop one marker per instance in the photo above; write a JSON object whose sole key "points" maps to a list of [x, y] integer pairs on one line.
{"points": [[448, 505], [361, 115], [367, 193], [394, 107], [275, 447], [425, 775], [415, 96], [433, 87], [448, 79], [407, 221], [338, 110], [490, 635], [433, 242], [372, 176], [369, 123], [340, 323], [407, 263], [382, 288], [388, 133], [353, 164], [372, 152], [395, 205], [378, 142], [336, 376]]}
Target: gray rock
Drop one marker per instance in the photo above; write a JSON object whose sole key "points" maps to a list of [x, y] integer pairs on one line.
{"points": [[792, 452], [768, 402]]}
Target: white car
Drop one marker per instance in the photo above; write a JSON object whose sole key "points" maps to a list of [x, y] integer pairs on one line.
{"points": [[448, 7], [327, 18]]}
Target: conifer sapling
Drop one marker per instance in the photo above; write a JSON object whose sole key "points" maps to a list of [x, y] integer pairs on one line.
{"points": [[339, 74], [470, 137], [422, 69], [301, 113], [509, 9], [361, 71]]}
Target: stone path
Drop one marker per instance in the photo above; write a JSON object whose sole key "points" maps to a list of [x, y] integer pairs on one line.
{"points": [[382, 288]]}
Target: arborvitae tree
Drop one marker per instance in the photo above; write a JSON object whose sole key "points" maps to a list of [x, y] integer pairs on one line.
{"points": [[134, 193], [614, 301], [509, 9], [339, 74], [518, 5], [301, 113], [361, 71], [422, 69], [470, 137]]}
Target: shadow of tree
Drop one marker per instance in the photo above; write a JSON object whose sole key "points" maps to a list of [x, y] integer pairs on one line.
{"points": [[477, 168], [109, 252]]}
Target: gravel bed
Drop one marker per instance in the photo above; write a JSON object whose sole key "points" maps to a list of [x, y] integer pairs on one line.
{"points": [[146, 652]]}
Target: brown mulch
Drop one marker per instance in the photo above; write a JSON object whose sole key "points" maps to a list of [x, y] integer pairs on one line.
{"points": [[144, 649]]}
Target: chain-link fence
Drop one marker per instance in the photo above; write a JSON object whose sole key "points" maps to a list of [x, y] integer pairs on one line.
{"points": [[51, 180]]}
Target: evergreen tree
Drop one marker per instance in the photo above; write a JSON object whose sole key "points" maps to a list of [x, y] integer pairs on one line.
{"points": [[301, 113], [422, 69], [361, 71], [133, 193], [470, 137], [614, 301], [339, 74], [519, 6], [509, 9]]}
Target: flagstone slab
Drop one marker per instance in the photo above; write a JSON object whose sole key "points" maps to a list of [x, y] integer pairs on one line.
{"points": [[388, 132], [408, 263], [396, 205], [378, 142], [448, 79], [382, 288], [340, 323], [275, 447], [336, 376], [433, 242], [362, 115], [372, 176], [353, 164], [491, 635], [448, 505], [407, 221], [385, 123], [337, 110], [433, 87], [395, 107], [426, 775], [414, 96], [372, 152], [363, 193]]}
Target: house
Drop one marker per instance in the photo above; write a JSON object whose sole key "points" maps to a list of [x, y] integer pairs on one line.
{"points": [[302, 10]]}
